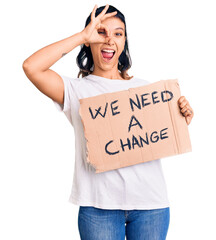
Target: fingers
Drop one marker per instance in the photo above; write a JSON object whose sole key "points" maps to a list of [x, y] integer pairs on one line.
{"points": [[108, 15], [102, 16], [103, 12], [185, 108], [93, 12], [183, 102], [103, 26], [188, 120], [187, 112]]}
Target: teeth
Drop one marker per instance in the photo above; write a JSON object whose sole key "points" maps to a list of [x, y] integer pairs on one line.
{"points": [[105, 50]]}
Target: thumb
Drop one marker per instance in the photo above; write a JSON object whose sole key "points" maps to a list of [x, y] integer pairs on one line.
{"points": [[188, 120]]}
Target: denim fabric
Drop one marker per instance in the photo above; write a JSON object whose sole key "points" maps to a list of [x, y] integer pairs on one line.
{"points": [[115, 224]]}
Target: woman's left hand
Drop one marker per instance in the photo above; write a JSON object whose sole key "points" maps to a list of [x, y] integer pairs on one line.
{"points": [[185, 109]]}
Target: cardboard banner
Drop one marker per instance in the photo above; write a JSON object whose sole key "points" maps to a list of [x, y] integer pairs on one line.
{"points": [[134, 126]]}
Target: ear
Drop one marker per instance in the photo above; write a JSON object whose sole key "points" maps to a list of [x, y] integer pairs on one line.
{"points": [[87, 44]]}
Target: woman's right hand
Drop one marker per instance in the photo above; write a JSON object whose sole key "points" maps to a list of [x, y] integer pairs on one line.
{"points": [[90, 32]]}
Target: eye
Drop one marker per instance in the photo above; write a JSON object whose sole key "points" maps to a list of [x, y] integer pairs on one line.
{"points": [[120, 34], [101, 32]]}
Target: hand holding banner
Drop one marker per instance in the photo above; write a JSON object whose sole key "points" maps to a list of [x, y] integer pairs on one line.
{"points": [[134, 126]]}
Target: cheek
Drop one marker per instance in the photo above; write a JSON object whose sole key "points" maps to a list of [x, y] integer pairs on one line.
{"points": [[94, 50], [121, 46]]}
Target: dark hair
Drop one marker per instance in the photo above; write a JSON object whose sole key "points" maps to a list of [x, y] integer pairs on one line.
{"points": [[84, 59]]}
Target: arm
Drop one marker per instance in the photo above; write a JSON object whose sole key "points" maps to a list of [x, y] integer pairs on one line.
{"points": [[36, 67]]}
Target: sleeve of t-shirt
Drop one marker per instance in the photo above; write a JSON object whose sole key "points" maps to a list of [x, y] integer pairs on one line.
{"points": [[68, 95]]}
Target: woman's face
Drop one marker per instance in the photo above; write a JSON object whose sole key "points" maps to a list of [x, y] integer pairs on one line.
{"points": [[116, 42]]}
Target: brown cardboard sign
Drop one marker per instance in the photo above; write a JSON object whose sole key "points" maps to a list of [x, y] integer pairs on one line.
{"points": [[134, 126]]}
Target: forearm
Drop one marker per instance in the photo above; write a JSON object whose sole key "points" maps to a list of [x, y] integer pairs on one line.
{"points": [[44, 58]]}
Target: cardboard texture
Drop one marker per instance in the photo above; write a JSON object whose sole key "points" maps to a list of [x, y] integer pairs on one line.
{"points": [[134, 126]]}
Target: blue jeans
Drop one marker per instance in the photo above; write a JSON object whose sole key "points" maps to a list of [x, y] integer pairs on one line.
{"points": [[115, 224]]}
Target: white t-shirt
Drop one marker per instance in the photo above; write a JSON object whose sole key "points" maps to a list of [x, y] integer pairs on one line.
{"points": [[140, 186]]}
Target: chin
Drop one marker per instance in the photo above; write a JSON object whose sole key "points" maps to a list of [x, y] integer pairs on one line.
{"points": [[107, 68]]}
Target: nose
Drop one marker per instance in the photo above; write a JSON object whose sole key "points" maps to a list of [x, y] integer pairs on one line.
{"points": [[110, 38]]}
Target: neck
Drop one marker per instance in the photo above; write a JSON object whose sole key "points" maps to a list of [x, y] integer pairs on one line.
{"points": [[107, 74]]}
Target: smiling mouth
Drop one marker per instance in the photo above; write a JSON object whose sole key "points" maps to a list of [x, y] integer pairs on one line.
{"points": [[107, 56]]}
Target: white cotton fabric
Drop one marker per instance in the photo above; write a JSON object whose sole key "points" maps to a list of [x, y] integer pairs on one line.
{"points": [[140, 186]]}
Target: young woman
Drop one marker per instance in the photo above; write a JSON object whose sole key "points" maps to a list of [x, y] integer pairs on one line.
{"points": [[130, 201]]}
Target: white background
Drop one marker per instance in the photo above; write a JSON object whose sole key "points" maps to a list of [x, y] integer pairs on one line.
{"points": [[167, 39]]}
